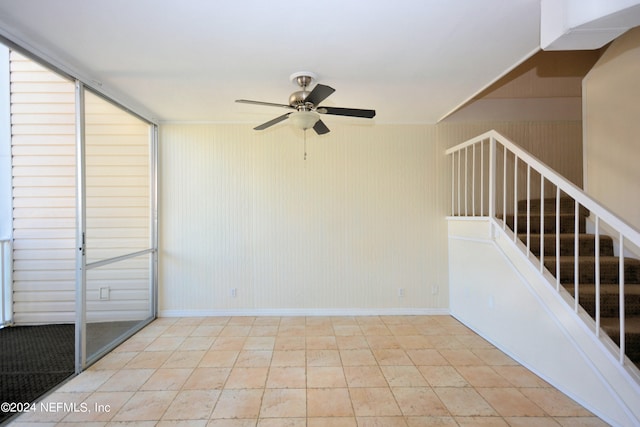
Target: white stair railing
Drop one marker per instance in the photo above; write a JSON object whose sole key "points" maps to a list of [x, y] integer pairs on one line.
{"points": [[490, 174]]}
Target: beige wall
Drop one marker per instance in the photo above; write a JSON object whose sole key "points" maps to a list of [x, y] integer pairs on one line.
{"points": [[612, 128], [363, 216]]}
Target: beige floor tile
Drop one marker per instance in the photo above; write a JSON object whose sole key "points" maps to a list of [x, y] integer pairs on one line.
{"points": [[127, 380], [491, 421], [332, 422], [381, 422], [254, 358], [392, 356], [461, 357], [284, 358], [325, 377], [240, 377], [413, 341], [219, 359], [149, 360], [464, 401], [114, 360], [431, 421], [532, 422], [403, 329], [382, 341], [165, 343], [282, 422], [290, 343], [321, 343], [319, 330], [347, 330], [259, 343], [161, 423], [167, 379], [238, 404], [403, 376], [235, 331], [494, 357], [519, 376], [192, 405], [242, 320], [482, 376], [580, 422], [419, 401], [210, 331], [554, 403], [286, 377], [232, 422], [446, 341], [89, 381], [369, 401], [184, 359], [207, 379], [329, 402], [291, 331], [356, 342], [179, 330], [323, 358], [283, 403], [442, 376], [509, 402], [364, 376], [363, 357], [375, 329], [263, 331], [228, 343], [196, 343], [145, 405], [427, 357]]}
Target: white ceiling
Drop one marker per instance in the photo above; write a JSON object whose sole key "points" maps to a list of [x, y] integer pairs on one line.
{"points": [[413, 61]]}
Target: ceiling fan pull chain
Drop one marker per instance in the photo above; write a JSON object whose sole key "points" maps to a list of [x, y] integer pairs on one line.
{"points": [[305, 144]]}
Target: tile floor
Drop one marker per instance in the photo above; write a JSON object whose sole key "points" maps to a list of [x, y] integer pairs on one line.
{"points": [[307, 371]]}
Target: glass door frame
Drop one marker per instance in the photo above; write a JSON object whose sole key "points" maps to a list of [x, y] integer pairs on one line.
{"points": [[82, 361]]}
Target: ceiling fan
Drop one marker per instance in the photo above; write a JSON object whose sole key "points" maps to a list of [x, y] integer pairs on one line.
{"points": [[307, 112]]}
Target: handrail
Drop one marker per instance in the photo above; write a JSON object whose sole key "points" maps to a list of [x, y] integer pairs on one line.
{"points": [[626, 233], [6, 282]]}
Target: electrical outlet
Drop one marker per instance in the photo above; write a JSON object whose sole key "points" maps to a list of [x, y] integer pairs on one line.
{"points": [[400, 292], [434, 290], [234, 292], [104, 293]]}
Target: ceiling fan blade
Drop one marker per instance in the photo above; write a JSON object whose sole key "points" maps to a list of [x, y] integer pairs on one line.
{"points": [[268, 104], [272, 122], [319, 94], [320, 128], [351, 112]]}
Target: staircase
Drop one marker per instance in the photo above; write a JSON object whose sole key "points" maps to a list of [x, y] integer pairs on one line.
{"points": [[609, 267]]}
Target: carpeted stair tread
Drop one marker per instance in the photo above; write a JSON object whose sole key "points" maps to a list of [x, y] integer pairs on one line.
{"points": [[609, 269], [566, 206], [567, 223], [631, 335], [609, 299], [586, 244]]}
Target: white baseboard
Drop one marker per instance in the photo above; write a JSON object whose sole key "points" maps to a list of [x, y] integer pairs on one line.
{"points": [[306, 312]]}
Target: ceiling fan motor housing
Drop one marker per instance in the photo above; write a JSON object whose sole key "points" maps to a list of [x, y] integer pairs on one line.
{"points": [[297, 100]]}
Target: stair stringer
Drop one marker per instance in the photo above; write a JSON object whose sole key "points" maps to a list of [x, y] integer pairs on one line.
{"points": [[497, 292]]}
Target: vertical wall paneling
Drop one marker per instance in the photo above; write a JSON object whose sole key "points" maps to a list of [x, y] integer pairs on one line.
{"points": [[345, 228]]}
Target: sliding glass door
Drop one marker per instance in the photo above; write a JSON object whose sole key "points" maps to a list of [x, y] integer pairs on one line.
{"points": [[116, 274]]}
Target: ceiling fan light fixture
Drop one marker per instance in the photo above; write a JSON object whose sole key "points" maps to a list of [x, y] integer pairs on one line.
{"points": [[304, 119]]}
